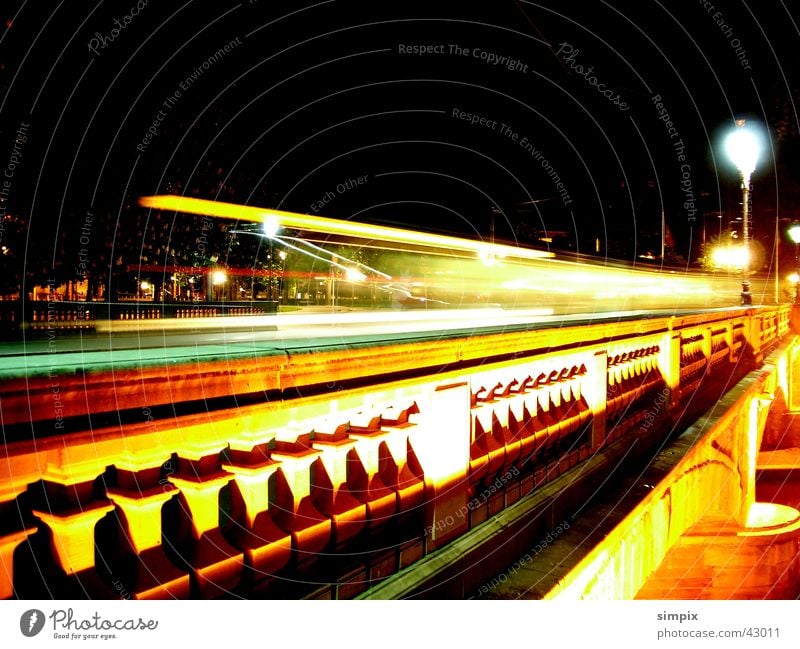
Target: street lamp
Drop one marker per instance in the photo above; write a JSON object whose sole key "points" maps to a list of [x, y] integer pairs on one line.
{"points": [[218, 278], [729, 256], [145, 287], [271, 226], [743, 146], [281, 282], [794, 235]]}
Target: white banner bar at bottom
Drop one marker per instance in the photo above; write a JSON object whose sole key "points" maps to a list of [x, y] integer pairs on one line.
{"points": [[428, 624]]}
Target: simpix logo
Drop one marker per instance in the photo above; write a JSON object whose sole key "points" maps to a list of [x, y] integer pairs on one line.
{"points": [[31, 622]]}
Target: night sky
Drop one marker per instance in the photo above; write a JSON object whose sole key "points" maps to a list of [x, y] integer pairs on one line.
{"points": [[583, 118]]}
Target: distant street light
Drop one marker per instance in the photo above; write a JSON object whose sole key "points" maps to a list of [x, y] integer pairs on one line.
{"points": [[218, 279], [271, 225], [794, 235], [730, 257], [354, 275], [145, 288], [743, 147]]}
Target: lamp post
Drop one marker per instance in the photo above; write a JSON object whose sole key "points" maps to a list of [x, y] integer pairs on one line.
{"points": [[271, 270], [794, 235], [743, 147], [282, 257], [271, 226]]}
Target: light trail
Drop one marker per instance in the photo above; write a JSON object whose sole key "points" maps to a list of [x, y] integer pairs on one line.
{"points": [[324, 225], [360, 322], [416, 270]]}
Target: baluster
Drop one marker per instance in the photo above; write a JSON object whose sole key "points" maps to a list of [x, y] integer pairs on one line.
{"points": [[333, 495], [520, 427], [399, 474], [380, 500], [72, 516], [140, 496], [267, 548], [441, 443], [503, 427], [215, 564], [295, 512], [9, 541]]}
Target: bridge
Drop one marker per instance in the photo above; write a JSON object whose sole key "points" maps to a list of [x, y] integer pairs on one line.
{"points": [[452, 438], [383, 465]]}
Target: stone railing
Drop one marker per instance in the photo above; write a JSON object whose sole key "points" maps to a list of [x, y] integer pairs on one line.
{"points": [[715, 480], [256, 498]]}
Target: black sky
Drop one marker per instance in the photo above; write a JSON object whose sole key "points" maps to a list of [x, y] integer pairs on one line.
{"points": [[309, 95]]}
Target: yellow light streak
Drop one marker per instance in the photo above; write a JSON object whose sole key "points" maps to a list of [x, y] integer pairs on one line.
{"points": [[330, 226]]}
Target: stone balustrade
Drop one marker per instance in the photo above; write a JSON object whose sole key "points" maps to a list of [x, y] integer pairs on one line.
{"points": [[234, 501]]}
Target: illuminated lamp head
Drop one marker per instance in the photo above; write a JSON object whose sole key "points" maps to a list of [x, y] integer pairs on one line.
{"points": [[743, 146], [271, 225]]}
